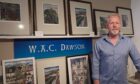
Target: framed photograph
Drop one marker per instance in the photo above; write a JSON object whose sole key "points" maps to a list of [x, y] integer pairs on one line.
{"points": [[100, 19], [14, 17], [51, 71], [80, 18], [50, 17], [126, 20], [78, 70], [19, 71]]}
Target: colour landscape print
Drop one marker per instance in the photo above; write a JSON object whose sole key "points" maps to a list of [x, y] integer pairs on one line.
{"points": [[50, 14], [103, 22], [81, 17], [79, 70], [19, 72], [52, 75], [9, 11]]}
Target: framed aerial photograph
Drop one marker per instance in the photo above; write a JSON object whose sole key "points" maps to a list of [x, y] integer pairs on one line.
{"points": [[50, 17], [100, 19], [80, 18], [78, 70], [19, 71], [14, 17], [126, 20], [51, 70]]}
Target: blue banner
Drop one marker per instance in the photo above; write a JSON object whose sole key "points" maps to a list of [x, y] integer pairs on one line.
{"points": [[46, 48]]}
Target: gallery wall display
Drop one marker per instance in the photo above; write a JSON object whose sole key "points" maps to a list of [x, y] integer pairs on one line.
{"points": [[14, 17], [78, 69], [100, 19], [50, 17], [19, 71], [126, 20], [80, 17], [51, 70]]}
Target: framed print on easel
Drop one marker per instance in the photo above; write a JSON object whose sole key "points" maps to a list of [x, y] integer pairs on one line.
{"points": [[51, 70], [14, 17], [19, 71], [78, 69], [50, 17], [80, 17], [126, 20], [100, 19]]}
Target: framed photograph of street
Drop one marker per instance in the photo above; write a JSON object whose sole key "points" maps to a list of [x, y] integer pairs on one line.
{"points": [[80, 18], [19, 71], [78, 70], [14, 17], [50, 17], [100, 19], [126, 20], [51, 70]]}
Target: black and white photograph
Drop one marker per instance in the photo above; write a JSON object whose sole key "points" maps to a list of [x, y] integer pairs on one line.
{"points": [[50, 14], [81, 17], [9, 11], [19, 71], [50, 17]]}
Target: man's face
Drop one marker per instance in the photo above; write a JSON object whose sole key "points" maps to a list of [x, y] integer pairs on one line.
{"points": [[114, 25]]}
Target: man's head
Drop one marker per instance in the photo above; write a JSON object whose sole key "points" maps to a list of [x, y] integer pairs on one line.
{"points": [[113, 24]]}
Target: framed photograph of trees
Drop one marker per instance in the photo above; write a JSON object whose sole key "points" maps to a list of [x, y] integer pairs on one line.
{"points": [[50, 17]]}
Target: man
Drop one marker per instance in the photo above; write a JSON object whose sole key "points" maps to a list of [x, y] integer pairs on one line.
{"points": [[111, 54]]}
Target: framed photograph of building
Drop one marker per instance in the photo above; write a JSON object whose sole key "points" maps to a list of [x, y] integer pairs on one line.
{"points": [[126, 20], [78, 70], [100, 19], [14, 17], [80, 18], [50, 17], [51, 70], [19, 71]]}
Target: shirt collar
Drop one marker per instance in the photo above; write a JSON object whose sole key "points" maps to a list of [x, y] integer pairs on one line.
{"points": [[120, 37]]}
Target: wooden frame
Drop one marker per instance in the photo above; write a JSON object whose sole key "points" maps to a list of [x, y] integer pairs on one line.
{"points": [[100, 19], [19, 71], [55, 66], [126, 20], [14, 17], [78, 69], [80, 17], [50, 17]]}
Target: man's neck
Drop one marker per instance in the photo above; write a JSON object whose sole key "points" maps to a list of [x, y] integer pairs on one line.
{"points": [[113, 39]]}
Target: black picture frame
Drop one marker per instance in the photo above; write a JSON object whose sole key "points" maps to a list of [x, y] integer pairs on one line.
{"points": [[126, 20], [80, 17], [100, 19], [79, 64]]}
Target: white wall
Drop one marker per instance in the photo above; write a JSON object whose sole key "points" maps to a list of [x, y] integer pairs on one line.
{"points": [[135, 5]]}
